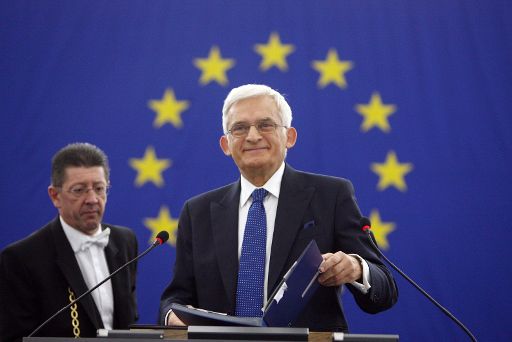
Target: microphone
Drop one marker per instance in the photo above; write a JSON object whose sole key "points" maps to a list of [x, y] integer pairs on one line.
{"points": [[161, 238], [365, 225]]}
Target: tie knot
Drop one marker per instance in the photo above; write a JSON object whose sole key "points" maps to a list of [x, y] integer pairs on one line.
{"points": [[259, 194]]}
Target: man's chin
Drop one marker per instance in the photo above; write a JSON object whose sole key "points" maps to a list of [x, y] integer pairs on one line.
{"points": [[256, 162], [90, 225]]}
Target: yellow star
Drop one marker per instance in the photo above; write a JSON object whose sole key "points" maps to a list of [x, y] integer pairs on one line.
{"points": [[381, 229], [332, 70], [274, 53], [375, 114], [214, 67], [164, 221], [168, 110], [149, 168], [391, 172]]}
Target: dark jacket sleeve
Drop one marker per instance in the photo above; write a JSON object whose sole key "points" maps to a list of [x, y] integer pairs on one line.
{"points": [[350, 239]]}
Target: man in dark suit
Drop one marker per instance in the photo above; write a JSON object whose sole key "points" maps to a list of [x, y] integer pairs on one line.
{"points": [[45, 271], [298, 207]]}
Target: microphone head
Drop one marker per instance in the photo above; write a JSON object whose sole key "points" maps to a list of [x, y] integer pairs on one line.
{"points": [[365, 224], [162, 237]]}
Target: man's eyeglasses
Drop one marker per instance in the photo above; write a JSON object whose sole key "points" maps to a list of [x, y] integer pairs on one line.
{"points": [[78, 190], [241, 129]]}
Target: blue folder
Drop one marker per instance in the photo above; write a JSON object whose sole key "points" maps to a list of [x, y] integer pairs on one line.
{"points": [[284, 306]]}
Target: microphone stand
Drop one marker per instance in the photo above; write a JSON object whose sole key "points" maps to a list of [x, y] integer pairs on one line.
{"points": [[157, 242], [439, 306]]}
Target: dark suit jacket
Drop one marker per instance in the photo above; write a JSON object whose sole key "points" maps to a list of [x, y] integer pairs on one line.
{"points": [[310, 207], [36, 272]]}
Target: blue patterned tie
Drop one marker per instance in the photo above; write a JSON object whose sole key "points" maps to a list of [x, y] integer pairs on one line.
{"points": [[251, 272]]}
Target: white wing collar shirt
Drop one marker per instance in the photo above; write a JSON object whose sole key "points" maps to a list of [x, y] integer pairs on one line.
{"points": [[90, 255]]}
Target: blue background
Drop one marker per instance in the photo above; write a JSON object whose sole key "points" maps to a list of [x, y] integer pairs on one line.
{"points": [[86, 70]]}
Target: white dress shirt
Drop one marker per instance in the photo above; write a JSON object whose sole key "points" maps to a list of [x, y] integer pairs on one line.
{"points": [[93, 264]]}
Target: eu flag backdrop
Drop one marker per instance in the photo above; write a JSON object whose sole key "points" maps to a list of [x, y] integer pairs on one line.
{"points": [[410, 100]]}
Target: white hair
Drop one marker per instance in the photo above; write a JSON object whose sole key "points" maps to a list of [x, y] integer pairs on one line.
{"points": [[253, 90]]}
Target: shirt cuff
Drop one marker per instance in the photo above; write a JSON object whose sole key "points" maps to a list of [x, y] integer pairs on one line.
{"points": [[365, 286]]}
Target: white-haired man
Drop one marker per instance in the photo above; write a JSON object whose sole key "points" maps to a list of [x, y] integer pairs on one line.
{"points": [[214, 227]]}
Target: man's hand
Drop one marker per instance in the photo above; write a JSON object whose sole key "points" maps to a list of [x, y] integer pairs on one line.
{"points": [[174, 320], [339, 268]]}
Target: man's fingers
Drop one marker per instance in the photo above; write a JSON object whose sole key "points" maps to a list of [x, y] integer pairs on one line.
{"points": [[330, 267], [330, 260], [337, 269], [326, 256]]}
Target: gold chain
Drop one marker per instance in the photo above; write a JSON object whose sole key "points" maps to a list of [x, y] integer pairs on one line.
{"points": [[74, 314]]}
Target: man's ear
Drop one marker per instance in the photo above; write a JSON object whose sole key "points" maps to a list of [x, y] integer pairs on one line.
{"points": [[291, 137], [224, 145], [54, 196]]}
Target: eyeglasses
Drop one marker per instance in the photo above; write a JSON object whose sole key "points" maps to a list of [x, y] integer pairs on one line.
{"points": [[241, 129], [79, 190]]}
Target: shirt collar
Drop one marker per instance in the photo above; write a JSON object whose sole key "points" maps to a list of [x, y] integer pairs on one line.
{"points": [[75, 237], [273, 185]]}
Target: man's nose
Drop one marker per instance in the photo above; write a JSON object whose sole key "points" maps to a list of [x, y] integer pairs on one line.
{"points": [[253, 133], [91, 196]]}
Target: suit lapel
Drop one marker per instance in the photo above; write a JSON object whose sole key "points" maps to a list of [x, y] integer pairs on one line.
{"points": [[224, 216], [69, 267], [294, 199]]}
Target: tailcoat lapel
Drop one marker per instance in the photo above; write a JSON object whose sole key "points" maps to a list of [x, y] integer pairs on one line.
{"points": [[224, 222], [69, 267]]}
